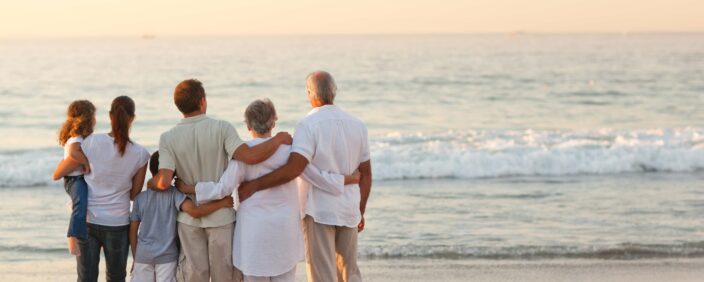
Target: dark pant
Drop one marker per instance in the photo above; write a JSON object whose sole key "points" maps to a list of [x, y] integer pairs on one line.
{"points": [[114, 240], [77, 189]]}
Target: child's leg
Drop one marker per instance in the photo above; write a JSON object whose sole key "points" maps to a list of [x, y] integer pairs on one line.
{"points": [[166, 272], [143, 272], [77, 189]]}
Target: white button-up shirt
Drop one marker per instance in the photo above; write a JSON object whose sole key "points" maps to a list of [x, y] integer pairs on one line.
{"points": [[334, 141], [268, 238]]}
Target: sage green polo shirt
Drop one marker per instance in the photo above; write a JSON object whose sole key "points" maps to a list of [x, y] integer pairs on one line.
{"points": [[198, 149]]}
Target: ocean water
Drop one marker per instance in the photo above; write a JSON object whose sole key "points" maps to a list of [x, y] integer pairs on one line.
{"points": [[483, 146]]}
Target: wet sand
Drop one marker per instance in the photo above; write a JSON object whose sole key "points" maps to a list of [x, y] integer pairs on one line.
{"points": [[443, 270]]}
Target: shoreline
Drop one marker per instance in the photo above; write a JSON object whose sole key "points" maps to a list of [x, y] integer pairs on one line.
{"points": [[411, 269]]}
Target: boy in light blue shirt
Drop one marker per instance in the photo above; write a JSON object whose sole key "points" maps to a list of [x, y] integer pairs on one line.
{"points": [[153, 234]]}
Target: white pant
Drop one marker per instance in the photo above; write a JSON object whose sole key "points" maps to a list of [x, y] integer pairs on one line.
{"points": [[165, 272], [289, 276]]}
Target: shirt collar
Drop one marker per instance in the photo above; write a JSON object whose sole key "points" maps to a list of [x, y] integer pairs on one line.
{"points": [[324, 108], [193, 119]]}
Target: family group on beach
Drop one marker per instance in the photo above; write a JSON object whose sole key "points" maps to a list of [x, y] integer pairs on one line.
{"points": [[217, 208]]}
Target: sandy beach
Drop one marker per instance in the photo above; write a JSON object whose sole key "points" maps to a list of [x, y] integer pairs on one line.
{"points": [[445, 270]]}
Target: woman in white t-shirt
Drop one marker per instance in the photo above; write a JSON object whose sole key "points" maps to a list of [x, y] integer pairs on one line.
{"points": [[118, 166]]}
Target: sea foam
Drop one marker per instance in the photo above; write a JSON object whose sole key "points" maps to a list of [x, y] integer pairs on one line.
{"points": [[476, 154]]}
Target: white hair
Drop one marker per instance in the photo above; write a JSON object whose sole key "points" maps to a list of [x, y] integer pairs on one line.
{"points": [[260, 116]]}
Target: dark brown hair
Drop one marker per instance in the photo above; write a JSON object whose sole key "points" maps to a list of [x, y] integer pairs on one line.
{"points": [[121, 110], [188, 94], [79, 121], [154, 163]]}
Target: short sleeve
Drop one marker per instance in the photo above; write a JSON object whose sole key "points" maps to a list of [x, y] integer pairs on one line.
{"points": [[303, 142], [232, 139], [135, 214], [365, 147], [143, 157], [179, 198], [167, 159], [77, 139]]}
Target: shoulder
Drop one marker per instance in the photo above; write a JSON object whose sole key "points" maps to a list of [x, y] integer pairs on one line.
{"points": [[167, 135], [96, 136], [223, 124], [138, 151], [96, 139], [353, 120], [77, 139], [136, 147]]}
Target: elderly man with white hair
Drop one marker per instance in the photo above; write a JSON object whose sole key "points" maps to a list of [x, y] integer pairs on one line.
{"points": [[268, 237], [333, 141]]}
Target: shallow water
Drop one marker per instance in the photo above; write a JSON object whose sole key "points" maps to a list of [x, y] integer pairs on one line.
{"points": [[632, 216]]}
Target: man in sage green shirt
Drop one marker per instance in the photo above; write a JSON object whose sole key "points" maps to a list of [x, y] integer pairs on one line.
{"points": [[198, 148]]}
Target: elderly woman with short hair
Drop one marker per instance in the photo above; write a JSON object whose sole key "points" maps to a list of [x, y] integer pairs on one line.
{"points": [[268, 240]]}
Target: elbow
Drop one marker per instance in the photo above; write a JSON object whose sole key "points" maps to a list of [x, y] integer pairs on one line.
{"points": [[162, 185], [249, 159], [55, 176], [292, 174]]}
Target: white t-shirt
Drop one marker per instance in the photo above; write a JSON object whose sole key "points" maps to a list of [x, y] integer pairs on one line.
{"points": [[333, 141], [110, 180], [77, 139]]}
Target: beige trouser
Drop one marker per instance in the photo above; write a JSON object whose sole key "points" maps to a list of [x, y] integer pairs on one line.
{"points": [[331, 252], [206, 253]]}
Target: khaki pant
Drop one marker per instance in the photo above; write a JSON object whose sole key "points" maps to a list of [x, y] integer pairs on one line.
{"points": [[206, 253], [331, 252]]}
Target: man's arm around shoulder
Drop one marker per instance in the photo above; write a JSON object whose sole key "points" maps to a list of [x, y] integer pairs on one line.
{"points": [[292, 169], [261, 152]]}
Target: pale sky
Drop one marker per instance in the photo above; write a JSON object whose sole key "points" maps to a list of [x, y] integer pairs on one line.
{"points": [[76, 18]]}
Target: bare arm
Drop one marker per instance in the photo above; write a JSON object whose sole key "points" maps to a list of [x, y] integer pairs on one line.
{"points": [[205, 209], [162, 180], [138, 182], [365, 184], [76, 154], [353, 178], [261, 152], [64, 168], [365, 188], [292, 169], [134, 227], [75, 159]]}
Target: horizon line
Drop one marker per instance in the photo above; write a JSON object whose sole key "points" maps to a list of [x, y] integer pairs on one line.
{"points": [[148, 35]]}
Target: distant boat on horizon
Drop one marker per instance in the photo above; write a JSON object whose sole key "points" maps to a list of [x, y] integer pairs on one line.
{"points": [[148, 36]]}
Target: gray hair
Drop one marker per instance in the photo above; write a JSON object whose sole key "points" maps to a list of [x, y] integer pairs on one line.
{"points": [[322, 86], [260, 116]]}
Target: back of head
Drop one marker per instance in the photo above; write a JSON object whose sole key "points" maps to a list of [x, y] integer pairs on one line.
{"points": [[321, 86], [188, 94], [79, 120], [154, 163], [260, 116], [121, 113]]}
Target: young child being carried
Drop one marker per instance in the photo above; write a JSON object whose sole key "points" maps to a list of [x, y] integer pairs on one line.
{"points": [[80, 122], [153, 235]]}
